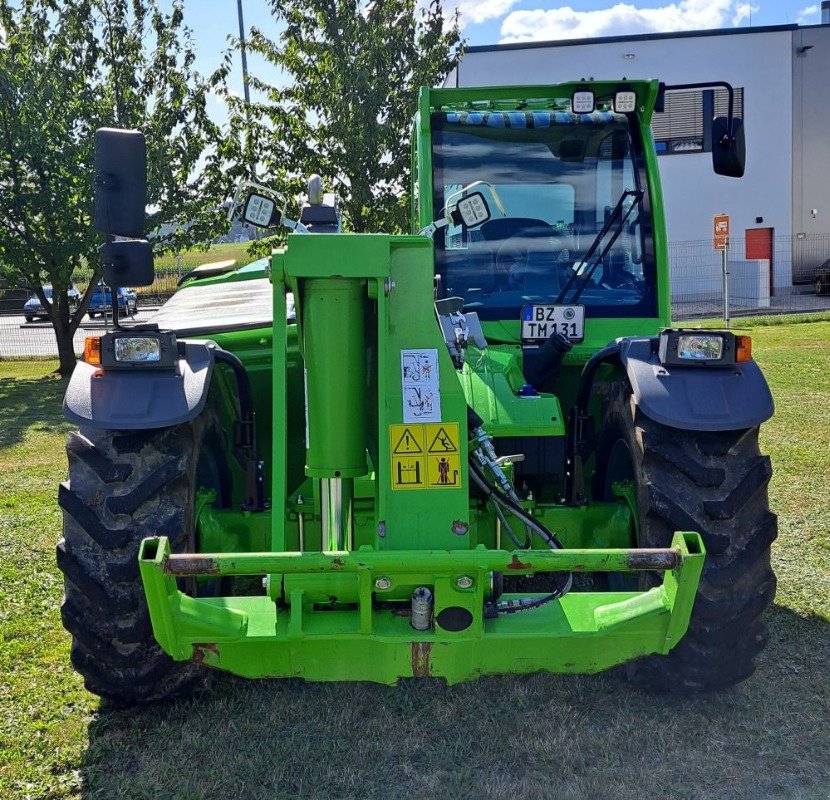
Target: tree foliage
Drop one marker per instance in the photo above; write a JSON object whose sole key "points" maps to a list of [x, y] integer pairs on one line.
{"points": [[351, 73], [68, 67]]}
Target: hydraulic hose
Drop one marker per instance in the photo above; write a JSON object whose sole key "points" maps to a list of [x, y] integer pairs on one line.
{"points": [[243, 382], [246, 432], [579, 422], [609, 353], [501, 500]]}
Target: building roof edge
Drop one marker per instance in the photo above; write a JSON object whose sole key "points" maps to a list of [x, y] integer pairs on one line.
{"points": [[636, 37]]}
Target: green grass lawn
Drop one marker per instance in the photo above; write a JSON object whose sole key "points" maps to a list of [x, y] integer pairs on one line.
{"points": [[503, 737]]}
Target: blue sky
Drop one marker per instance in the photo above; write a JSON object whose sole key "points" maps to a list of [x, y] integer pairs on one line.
{"points": [[493, 21]]}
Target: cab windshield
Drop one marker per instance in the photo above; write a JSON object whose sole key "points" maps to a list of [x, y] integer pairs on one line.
{"points": [[573, 220]]}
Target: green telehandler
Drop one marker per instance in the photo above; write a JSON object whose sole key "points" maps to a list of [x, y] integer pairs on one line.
{"points": [[481, 448]]}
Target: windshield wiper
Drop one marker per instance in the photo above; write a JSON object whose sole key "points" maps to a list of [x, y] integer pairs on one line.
{"points": [[616, 221]]}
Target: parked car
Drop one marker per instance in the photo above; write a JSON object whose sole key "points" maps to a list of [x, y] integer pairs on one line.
{"points": [[33, 308], [101, 301]]}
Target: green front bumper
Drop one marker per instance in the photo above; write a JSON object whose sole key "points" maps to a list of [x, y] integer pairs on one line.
{"points": [[373, 641]]}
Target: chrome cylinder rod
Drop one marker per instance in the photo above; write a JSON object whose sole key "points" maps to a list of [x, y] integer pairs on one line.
{"points": [[337, 507]]}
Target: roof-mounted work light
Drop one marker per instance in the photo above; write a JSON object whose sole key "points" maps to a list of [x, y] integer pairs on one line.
{"points": [[583, 102], [625, 102]]}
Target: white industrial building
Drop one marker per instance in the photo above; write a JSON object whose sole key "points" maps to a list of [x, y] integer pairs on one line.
{"points": [[780, 210]]}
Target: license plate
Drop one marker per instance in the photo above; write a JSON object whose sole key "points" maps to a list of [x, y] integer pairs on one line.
{"points": [[539, 322]]}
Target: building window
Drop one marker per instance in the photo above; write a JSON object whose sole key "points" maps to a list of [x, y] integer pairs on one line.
{"points": [[685, 124]]}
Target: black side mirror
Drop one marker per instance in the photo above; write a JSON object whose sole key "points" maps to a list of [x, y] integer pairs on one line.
{"points": [[728, 148], [127, 263], [120, 182]]}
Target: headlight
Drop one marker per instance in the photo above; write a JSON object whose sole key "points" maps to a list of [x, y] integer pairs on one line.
{"points": [[683, 348], [137, 349], [700, 347]]}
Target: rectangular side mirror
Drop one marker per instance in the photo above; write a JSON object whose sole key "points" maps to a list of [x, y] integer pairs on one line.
{"points": [[120, 183], [728, 152], [127, 263]]}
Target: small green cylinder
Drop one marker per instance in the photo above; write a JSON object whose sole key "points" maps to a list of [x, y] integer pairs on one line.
{"points": [[334, 348]]}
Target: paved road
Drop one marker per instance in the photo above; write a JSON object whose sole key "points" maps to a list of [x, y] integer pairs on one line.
{"points": [[21, 338]]}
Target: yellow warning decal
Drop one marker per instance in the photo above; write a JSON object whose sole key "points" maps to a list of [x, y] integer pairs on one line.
{"points": [[442, 438], [410, 441], [443, 456], [425, 456]]}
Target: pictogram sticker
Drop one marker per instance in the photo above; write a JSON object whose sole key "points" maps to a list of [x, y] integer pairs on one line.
{"points": [[408, 472], [408, 467], [420, 386], [441, 441], [425, 456], [443, 459], [410, 441], [443, 472]]}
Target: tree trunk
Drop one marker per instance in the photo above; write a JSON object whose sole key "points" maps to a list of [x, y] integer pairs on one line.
{"points": [[63, 333], [66, 349]]}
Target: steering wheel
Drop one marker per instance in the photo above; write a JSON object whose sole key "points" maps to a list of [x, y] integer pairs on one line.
{"points": [[540, 255]]}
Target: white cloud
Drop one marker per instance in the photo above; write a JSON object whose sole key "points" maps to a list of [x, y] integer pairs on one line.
{"points": [[474, 11], [622, 19], [804, 16], [743, 11]]}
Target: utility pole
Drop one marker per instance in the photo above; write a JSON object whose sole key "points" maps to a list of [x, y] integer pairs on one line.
{"points": [[245, 87], [244, 54]]}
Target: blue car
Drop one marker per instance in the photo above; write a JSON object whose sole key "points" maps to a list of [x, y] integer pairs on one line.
{"points": [[33, 308], [101, 301]]}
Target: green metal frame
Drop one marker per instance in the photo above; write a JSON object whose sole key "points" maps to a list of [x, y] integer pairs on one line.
{"points": [[256, 637], [328, 397]]}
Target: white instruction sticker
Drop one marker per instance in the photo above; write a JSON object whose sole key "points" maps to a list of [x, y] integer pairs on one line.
{"points": [[420, 386]]}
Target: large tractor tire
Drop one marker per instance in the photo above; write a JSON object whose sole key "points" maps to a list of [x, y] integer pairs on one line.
{"points": [[122, 487], [715, 484]]}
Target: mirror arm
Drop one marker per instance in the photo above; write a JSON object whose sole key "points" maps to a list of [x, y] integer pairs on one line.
{"points": [[433, 227], [297, 227], [679, 87]]}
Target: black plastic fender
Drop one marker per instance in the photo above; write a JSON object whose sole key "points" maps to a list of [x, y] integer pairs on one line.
{"points": [[140, 398], [696, 398]]}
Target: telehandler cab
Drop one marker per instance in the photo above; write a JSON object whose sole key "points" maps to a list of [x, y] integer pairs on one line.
{"points": [[477, 449]]}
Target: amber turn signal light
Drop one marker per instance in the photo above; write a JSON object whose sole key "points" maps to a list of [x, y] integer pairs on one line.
{"points": [[743, 348], [92, 350]]}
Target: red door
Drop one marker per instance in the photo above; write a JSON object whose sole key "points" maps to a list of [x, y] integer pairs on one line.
{"points": [[759, 245]]}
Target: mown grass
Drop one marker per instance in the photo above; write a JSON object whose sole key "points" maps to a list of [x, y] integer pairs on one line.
{"points": [[758, 321], [503, 737]]}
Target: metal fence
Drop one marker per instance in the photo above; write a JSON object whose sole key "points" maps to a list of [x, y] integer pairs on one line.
{"points": [[36, 339], [795, 280]]}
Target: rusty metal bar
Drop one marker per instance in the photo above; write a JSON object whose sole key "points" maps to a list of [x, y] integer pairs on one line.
{"points": [[434, 562]]}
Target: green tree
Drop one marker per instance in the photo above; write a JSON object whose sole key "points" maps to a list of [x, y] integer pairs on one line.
{"points": [[68, 67], [351, 73]]}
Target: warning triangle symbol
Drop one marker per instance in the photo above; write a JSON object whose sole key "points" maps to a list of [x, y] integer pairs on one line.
{"points": [[407, 444], [442, 443]]}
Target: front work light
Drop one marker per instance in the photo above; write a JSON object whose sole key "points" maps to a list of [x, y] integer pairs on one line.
{"points": [[679, 347], [699, 347], [137, 349], [473, 209]]}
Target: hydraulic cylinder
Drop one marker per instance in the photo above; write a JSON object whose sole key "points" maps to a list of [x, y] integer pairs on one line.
{"points": [[334, 348]]}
